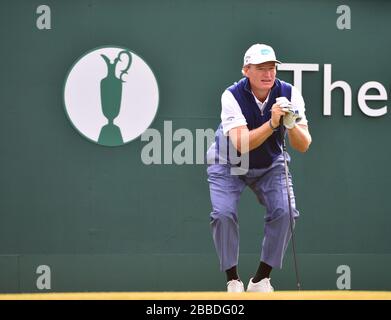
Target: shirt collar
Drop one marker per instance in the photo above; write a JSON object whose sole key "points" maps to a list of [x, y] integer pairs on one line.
{"points": [[258, 101]]}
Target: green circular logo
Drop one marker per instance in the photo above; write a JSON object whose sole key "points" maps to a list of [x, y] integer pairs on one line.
{"points": [[111, 96]]}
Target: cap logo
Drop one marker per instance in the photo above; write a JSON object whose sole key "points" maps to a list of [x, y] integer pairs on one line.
{"points": [[265, 51]]}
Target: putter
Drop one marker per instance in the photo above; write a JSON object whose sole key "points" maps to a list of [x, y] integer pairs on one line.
{"points": [[289, 202]]}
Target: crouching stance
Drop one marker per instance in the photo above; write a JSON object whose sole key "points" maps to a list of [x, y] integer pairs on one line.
{"points": [[250, 125]]}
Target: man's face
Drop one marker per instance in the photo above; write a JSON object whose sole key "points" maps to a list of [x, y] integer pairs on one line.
{"points": [[261, 76]]}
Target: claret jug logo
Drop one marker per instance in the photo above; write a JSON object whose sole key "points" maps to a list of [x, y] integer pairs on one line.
{"points": [[111, 96]]}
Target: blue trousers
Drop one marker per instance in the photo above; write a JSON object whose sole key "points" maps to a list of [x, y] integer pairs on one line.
{"points": [[269, 185]]}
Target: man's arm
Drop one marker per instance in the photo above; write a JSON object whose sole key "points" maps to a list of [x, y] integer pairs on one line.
{"points": [[299, 137], [245, 140]]}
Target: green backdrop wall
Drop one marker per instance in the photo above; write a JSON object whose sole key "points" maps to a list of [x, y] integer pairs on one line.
{"points": [[102, 220]]}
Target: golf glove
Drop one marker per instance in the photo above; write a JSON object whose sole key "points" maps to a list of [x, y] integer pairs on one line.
{"points": [[292, 116]]}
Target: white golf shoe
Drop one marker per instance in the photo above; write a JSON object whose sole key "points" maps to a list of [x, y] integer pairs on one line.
{"points": [[261, 286], [235, 286]]}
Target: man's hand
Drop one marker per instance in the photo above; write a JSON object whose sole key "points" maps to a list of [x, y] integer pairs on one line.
{"points": [[291, 116], [277, 113]]}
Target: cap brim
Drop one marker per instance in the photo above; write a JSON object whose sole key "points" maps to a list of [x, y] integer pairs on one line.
{"points": [[262, 61]]}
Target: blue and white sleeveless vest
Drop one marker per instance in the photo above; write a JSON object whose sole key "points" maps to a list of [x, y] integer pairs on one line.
{"points": [[266, 153]]}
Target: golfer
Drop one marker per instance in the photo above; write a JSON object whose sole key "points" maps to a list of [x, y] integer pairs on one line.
{"points": [[254, 111]]}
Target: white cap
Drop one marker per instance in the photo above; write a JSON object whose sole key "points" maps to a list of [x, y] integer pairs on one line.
{"points": [[259, 53]]}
